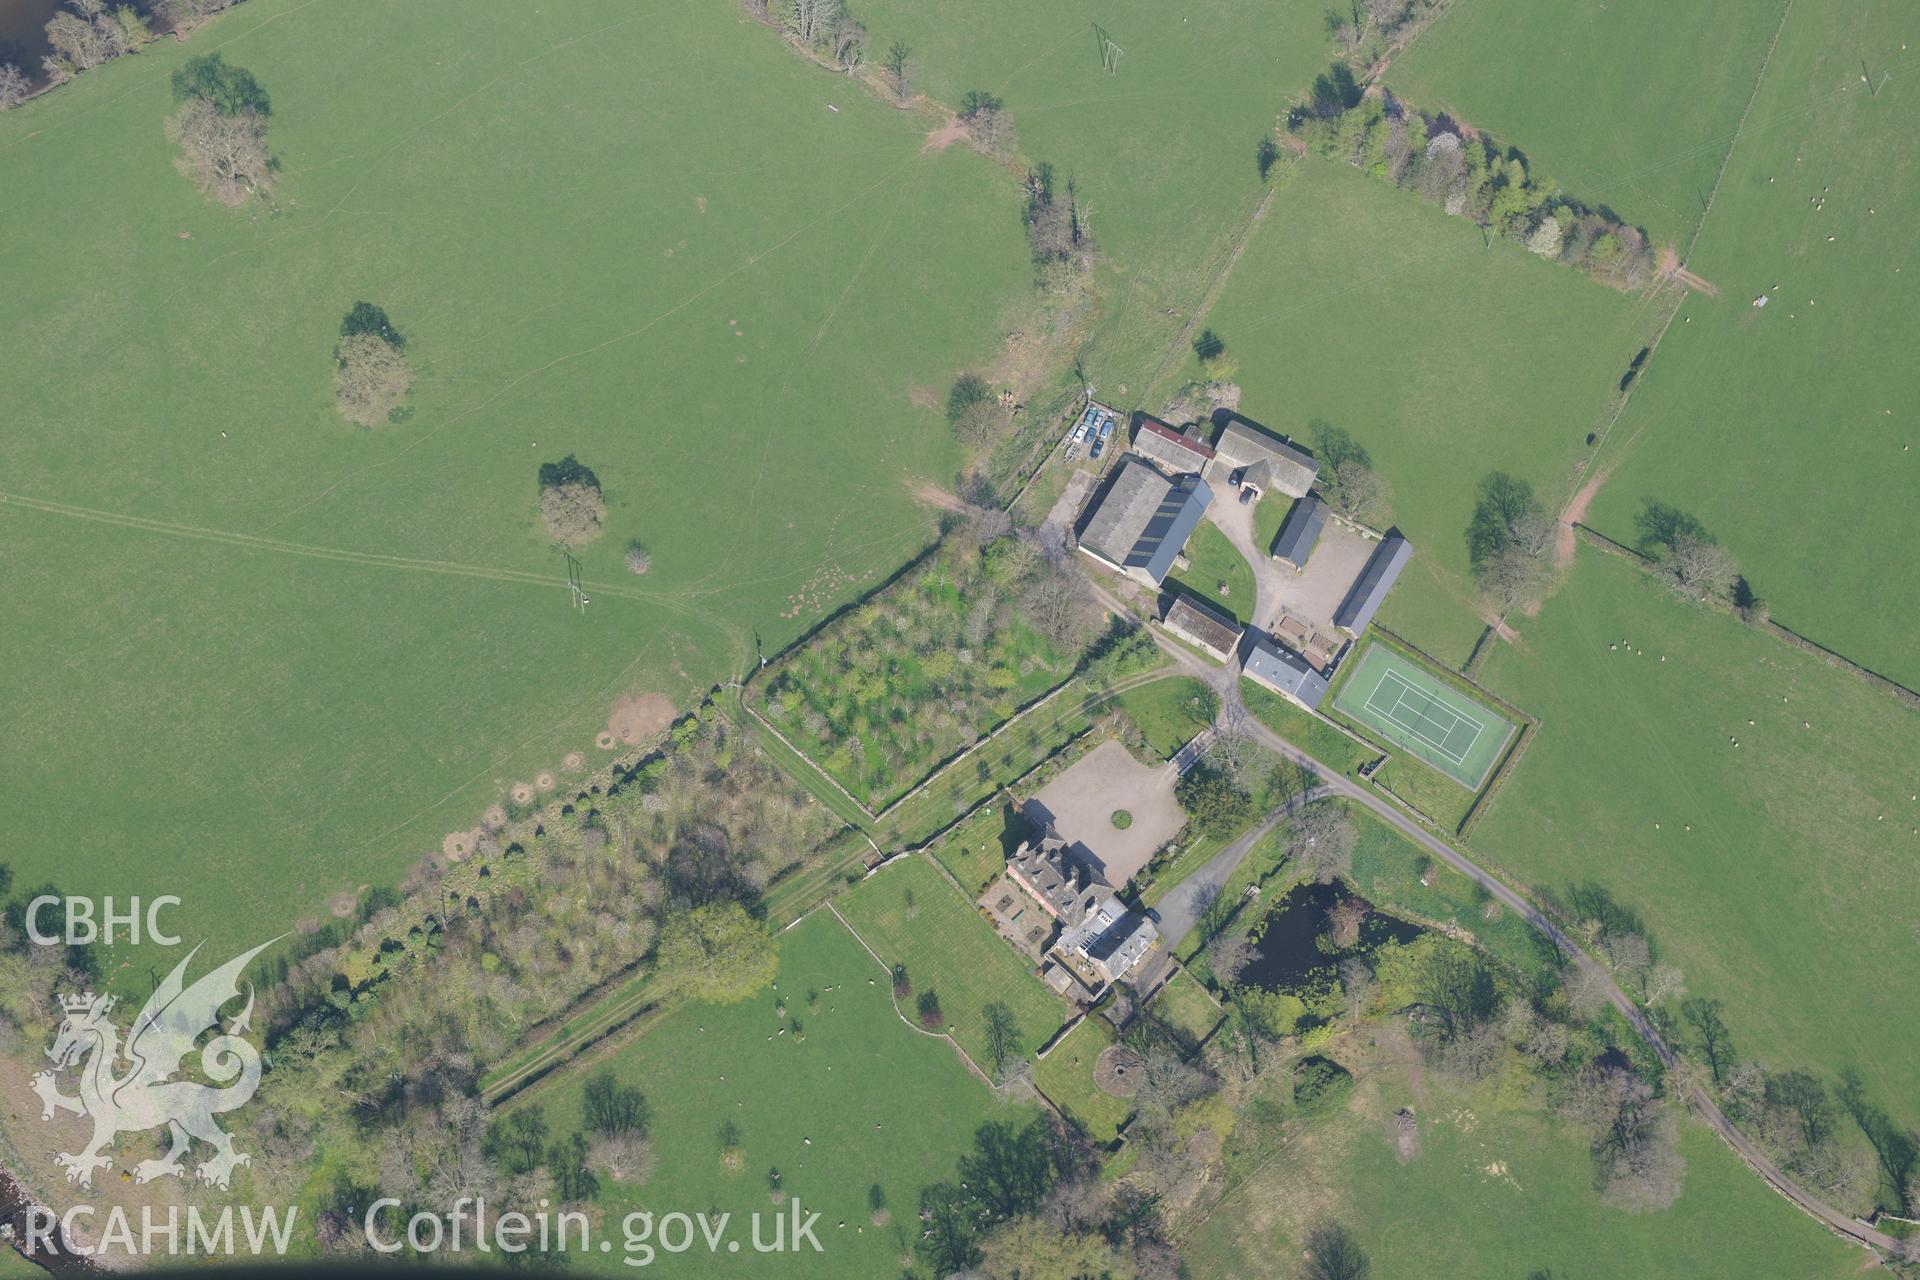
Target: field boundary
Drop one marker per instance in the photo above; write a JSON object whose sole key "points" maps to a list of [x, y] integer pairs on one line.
{"points": [[954, 759], [1767, 626]]}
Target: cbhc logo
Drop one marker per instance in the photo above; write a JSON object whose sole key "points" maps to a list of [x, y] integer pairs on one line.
{"points": [[83, 928]]}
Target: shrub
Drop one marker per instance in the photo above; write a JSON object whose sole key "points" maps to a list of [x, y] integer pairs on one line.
{"points": [[569, 470]]}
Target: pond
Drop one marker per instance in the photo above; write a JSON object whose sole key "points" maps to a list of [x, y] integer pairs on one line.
{"points": [[1287, 956]]}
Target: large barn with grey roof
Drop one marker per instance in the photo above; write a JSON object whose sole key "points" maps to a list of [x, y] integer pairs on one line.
{"points": [[1143, 520], [1370, 589], [1272, 464]]}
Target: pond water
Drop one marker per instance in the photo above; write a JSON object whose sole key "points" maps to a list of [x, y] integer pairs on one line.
{"points": [[1288, 956], [23, 31]]}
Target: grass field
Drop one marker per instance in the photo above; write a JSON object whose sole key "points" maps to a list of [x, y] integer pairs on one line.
{"points": [[1444, 359], [880, 1104], [260, 667], [1630, 104], [1412, 707], [1803, 407], [1169, 712], [1161, 152], [1499, 1192], [1776, 873], [912, 915], [1216, 572], [1066, 1076]]}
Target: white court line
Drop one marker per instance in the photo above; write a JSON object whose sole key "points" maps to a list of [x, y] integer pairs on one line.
{"points": [[1401, 697]]}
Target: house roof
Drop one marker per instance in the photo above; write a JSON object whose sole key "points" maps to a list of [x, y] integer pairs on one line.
{"points": [[1169, 447], [1145, 518], [1286, 672], [1370, 589], [1301, 530], [1111, 937], [1289, 468], [1065, 885], [1203, 625]]}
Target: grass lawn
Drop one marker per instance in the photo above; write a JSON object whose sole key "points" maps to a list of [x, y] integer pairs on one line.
{"points": [[1499, 1192], [1373, 310], [1318, 738], [975, 851], [912, 915], [321, 648], [1805, 407], [1630, 104], [1778, 873], [1216, 572], [1066, 1076], [878, 708], [880, 1103], [1169, 712], [1183, 1005]]}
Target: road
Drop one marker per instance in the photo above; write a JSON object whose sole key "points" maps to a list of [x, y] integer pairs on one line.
{"points": [[1225, 681]]}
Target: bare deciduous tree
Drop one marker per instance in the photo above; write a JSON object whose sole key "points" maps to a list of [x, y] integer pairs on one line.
{"points": [[1664, 981], [13, 86], [1321, 836], [810, 21], [1702, 570], [1513, 579], [621, 1157], [1060, 606], [898, 62], [225, 155], [1358, 493], [370, 379], [574, 513], [992, 132]]}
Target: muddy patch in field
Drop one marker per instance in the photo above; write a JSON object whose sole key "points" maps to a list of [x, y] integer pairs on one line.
{"points": [[459, 845], [639, 716]]}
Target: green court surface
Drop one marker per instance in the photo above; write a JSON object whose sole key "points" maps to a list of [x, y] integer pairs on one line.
{"points": [[1418, 712]]}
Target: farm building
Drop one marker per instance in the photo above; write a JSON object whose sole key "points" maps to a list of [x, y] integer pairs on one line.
{"points": [[1300, 532], [1370, 589], [1143, 520], [1272, 464], [1202, 626], [1286, 673], [1176, 452]]}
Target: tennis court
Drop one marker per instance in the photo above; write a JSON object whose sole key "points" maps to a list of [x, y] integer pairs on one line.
{"points": [[1417, 711]]}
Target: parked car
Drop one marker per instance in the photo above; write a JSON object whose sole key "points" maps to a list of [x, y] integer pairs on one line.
{"points": [[1106, 428], [1239, 474], [1246, 495], [1099, 443]]}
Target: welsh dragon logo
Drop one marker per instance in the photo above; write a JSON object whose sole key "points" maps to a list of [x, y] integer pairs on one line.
{"points": [[145, 1095]]}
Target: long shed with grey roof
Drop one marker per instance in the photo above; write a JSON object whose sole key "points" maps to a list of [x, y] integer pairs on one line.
{"points": [[1269, 461], [1370, 589], [1144, 520], [1300, 532], [1286, 673], [1175, 451]]}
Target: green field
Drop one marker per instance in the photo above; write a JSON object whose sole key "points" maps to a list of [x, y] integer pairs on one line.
{"points": [[1630, 103], [861, 1100], [1161, 152], [1426, 716], [1065, 1075], [261, 667], [1169, 712], [1500, 1192], [1776, 873], [910, 914], [1474, 359], [1790, 431]]}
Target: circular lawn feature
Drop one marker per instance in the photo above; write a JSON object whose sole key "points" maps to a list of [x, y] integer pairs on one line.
{"points": [[1122, 819], [1117, 1071]]}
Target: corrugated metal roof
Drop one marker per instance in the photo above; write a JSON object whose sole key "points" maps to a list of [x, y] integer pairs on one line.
{"points": [[1301, 530], [1370, 589]]}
